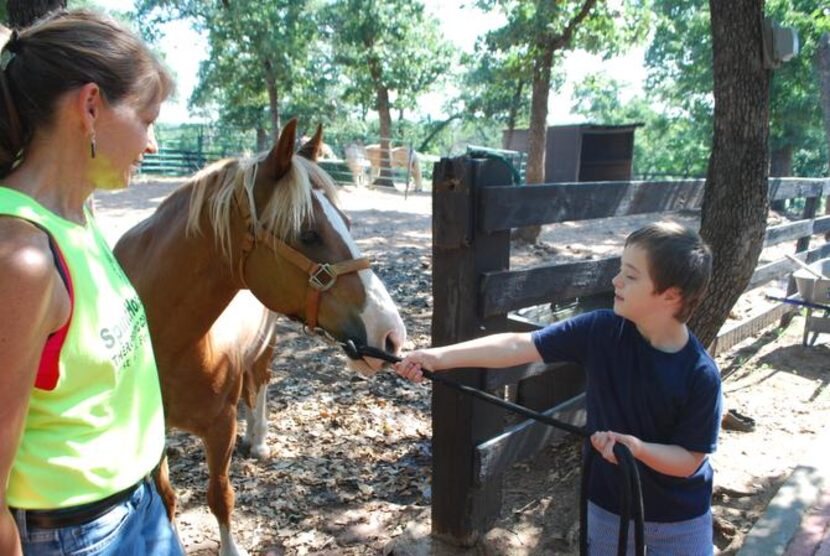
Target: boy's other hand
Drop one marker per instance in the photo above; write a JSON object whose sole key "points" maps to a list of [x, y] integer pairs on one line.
{"points": [[410, 367], [604, 441]]}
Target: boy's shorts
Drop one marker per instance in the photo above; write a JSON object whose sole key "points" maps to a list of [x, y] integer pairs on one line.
{"points": [[692, 537]]}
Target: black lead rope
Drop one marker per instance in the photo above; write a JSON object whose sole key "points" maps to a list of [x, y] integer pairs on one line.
{"points": [[630, 488]]}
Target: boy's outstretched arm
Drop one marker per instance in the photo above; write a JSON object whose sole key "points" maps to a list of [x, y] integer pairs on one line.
{"points": [[494, 351], [668, 459]]}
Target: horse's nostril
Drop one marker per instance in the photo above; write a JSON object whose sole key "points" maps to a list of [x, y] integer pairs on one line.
{"points": [[390, 346]]}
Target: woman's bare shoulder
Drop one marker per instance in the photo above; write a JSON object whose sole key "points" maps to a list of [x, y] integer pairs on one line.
{"points": [[31, 290], [24, 253]]}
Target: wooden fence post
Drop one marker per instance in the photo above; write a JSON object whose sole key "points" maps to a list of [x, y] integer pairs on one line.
{"points": [[461, 510]]}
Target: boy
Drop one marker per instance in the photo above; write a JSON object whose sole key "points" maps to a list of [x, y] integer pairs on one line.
{"points": [[650, 385]]}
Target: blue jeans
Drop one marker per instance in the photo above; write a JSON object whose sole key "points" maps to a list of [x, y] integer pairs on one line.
{"points": [[136, 527]]}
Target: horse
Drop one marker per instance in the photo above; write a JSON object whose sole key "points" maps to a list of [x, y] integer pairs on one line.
{"points": [[325, 151], [399, 157], [239, 240], [358, 164]]}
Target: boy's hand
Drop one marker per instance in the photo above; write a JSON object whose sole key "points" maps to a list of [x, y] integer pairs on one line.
{"points": [[410, 367], [604, 442]]}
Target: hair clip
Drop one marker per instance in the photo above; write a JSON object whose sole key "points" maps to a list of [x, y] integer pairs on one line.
{"points": [[5, 58], [9, 50]]}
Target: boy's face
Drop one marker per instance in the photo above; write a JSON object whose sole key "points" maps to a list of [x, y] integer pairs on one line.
{"points": [[634, 292]]}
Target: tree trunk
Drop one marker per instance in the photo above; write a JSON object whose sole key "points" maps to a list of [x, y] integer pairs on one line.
{"points": [[537, 135], [261, 139], [23, 13], [511, 117], [781, 166], [385, 177], [273, 101], [733, 219], [781, 162], [823, 71]]}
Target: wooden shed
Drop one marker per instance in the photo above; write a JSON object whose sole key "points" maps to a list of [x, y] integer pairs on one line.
{"points": [[583, 152]]}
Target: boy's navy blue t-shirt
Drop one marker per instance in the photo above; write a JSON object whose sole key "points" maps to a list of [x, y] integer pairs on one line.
{"points": [[633, 388]]}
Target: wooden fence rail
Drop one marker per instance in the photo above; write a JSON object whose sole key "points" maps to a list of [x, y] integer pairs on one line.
{"points": [[474, 210]]}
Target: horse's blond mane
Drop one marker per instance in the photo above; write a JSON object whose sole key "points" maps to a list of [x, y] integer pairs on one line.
{"points": [[290, 205]]}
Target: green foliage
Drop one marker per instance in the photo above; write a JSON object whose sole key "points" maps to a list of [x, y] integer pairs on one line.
{"points": [[515, 61], [661, 146], [609, 28], [679, 61], [254, 46], [795, 110], [386, 44], [496, 85]]}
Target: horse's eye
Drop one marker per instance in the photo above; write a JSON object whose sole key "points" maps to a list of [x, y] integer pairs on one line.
{"points": [[310, 237]]}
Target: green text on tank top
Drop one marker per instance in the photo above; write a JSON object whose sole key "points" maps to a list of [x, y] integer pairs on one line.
{"points": [[101, 429]]}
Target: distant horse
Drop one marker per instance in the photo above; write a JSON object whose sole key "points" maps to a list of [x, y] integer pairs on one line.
{"points": [[325, 152], [358, 163], [270, 225], [399, 157]]}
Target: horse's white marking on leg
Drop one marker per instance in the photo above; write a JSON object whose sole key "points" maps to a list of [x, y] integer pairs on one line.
{"points": [[257, 429], [227, 546]]}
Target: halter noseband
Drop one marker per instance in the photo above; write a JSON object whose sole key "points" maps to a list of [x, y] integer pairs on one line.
{"points": [[321, 276]]}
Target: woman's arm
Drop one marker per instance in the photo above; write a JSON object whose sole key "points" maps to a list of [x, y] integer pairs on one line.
{"points": [[34, 304]]}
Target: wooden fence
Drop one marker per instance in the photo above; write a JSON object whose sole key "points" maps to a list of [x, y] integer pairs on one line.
{"points": [[474, 290]]}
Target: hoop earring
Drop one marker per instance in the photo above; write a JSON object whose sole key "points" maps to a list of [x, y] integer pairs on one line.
{"points": [[92, 145]]}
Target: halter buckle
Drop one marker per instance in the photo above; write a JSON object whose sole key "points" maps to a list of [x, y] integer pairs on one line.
{"points": [[322, 278]]}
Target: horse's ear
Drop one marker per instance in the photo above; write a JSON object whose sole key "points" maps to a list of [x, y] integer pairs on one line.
{"points": [[278, 161], [311, 149]]}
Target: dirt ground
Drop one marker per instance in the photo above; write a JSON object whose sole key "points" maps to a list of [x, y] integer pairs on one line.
{"points": [[350, 471]]}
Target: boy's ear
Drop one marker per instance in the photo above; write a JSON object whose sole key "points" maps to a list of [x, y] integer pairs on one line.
{"points": [[673, 295]]}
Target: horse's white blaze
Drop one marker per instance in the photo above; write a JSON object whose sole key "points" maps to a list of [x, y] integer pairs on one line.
{"points": [[380, 315]]}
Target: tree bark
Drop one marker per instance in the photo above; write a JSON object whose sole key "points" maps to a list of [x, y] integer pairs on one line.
{"points": [[547, 45], [385, 117], [23, 13], [262, 138], [273, 101], [511, 117], [537, 134], [823, 71], [733, 219], [781, 166], [781, 162]]}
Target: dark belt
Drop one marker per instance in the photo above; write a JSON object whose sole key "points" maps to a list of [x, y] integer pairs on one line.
{"points": [[78, 515]]}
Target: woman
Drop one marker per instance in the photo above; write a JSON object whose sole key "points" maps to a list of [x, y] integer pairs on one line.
{"points": [[81, 420]]}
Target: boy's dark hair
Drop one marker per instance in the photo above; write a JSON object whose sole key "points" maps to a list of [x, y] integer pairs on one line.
{"points": [[677, 258]]}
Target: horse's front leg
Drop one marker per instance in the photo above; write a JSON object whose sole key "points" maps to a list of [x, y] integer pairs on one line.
{"points": [[219, 442]]}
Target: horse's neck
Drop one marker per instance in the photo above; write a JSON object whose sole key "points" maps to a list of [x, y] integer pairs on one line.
{"points": [[184, 281]]}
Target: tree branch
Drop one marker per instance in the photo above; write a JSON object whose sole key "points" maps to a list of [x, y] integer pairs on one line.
{"points": [[564, 39]]}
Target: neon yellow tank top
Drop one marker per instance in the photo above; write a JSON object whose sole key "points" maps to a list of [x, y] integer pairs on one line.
{"points": [[101, 428]]}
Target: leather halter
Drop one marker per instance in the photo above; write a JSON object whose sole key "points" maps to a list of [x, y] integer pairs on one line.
{"points": [[321, 276]]}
